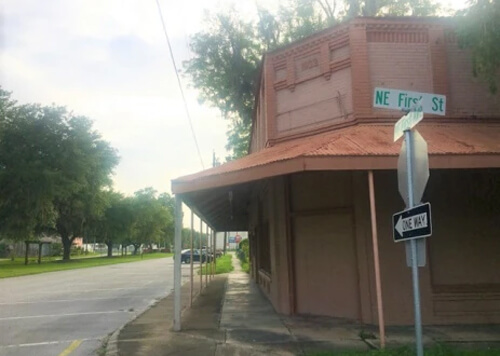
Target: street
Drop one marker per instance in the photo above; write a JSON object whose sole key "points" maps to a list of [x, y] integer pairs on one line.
{"points": [[73, 311]]}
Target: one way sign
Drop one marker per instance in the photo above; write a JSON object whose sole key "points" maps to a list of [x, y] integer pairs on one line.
{"points": [[412, 223]]}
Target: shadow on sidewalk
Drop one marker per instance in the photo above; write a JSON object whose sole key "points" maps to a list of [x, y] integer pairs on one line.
{"points": [[151, 333], [233, 317]]}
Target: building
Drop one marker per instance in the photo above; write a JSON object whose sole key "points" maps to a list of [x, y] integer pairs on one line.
{"points": [[303, 192]]}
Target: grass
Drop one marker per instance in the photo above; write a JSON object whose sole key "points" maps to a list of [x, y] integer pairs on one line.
{"points": [[17, 268], [438, 350], [224, 265]]}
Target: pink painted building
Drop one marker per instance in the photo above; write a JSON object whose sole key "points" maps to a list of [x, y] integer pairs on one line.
{"points": [[303, 191]]}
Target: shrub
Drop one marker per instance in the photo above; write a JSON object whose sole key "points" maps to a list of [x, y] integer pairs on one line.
{"points": [[76, 251], [57, 249], [4, 250], [243, 250]]}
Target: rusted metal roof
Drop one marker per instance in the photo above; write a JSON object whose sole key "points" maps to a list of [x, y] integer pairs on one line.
{"points": [[358, 147]]}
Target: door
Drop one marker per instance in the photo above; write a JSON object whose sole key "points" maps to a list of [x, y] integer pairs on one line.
{"points": [[326, 265]]}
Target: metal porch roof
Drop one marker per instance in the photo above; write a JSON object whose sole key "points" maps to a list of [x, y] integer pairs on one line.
{"points": [[358, 147]]}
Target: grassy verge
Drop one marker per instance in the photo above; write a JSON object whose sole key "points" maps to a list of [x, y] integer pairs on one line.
{"points": [[224, 265], [439, 350], [16, 268]]}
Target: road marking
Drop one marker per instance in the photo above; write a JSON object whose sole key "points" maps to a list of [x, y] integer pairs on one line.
{"points": [[44, 343], [73, 300], [73, 291], [71, 348], [62, 315]]}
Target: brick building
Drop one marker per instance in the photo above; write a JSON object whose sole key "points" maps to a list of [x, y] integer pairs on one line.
{"points": [[303, 192]]}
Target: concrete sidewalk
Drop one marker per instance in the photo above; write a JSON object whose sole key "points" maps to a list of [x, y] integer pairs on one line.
{"points": [[232, 317]]}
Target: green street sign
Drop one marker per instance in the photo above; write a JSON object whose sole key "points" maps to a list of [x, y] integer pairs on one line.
{"points": [[407, 100]]}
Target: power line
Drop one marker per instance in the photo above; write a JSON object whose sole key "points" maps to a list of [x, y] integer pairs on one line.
{"points": [[179, 83]]}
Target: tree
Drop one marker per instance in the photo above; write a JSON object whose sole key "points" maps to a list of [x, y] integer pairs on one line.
{"points": [[225, 66], [151, 219], [479, 30], [115, 224], [87, 162], [30, 172], [168, 231], [353, 8], [227, 53], [186, 238], [53, 166]]}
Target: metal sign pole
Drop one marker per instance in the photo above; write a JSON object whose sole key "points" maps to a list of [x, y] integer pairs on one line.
{"points": [[413, 244]]}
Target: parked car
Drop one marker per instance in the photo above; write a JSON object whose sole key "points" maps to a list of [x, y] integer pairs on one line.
{"points": [[208, 253], [186, 256]]}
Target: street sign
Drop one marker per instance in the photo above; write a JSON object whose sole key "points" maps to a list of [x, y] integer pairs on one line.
{"points": [[404, 100], [413, 223], [407, 122], [420, 169]]}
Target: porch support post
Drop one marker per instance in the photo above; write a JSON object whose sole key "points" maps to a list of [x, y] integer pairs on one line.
{"points": [[191, 261], [177, 263], [214, 234], [207, 251], [211, 237], [201, 255], [378, 286]]}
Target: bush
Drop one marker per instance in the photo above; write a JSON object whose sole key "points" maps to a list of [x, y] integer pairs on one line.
{"points": [[57, 249], [76, 251], [245, 266], [4, 250], [243, 250]]}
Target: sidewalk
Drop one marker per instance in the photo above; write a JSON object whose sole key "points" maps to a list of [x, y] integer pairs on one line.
{"points": [[232, 317]]}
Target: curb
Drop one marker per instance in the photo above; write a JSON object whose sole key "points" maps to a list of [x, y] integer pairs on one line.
{"points": [[112, 344]]}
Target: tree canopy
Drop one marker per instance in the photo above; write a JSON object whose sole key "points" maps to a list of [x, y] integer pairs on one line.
{"points": [[53, 168], [479, 30], [55, 178], [152, 218], [144, 219], [228, 51]]}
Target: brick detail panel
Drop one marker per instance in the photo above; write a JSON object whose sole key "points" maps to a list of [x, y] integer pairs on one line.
{"points": [[437, 48], [398, 36], [308, 66], [405, 66], [316, 101], [361, 88]]}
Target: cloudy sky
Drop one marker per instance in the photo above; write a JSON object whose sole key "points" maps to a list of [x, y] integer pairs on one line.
{"points": [[108, 60]]}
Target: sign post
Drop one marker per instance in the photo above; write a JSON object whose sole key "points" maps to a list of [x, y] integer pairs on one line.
{"points": [[413, 224], [420, 163], [413, 247]]}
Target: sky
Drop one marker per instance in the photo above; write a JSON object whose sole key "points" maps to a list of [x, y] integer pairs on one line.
{"points": [[109, 60]]}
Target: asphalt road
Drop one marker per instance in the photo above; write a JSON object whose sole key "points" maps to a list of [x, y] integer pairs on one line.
{"points": [[71, 312]]}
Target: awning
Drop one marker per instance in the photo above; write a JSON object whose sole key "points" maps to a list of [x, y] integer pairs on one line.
{"points": [[221, 194]]}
